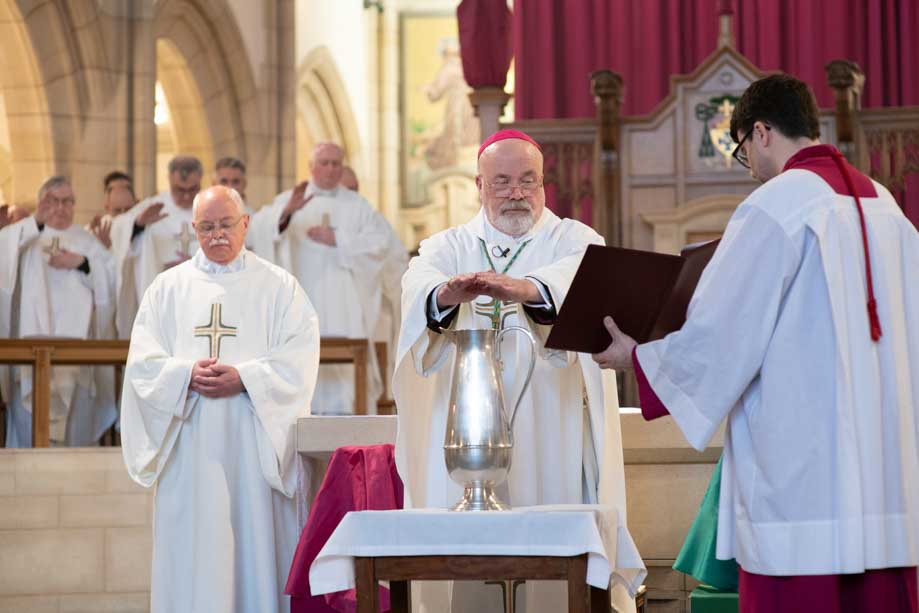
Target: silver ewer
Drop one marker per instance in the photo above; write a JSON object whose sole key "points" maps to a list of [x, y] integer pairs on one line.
{"points": [[479, 442]]}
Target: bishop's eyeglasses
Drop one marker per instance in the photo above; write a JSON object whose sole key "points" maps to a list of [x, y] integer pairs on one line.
{"points": [[502, 188]]}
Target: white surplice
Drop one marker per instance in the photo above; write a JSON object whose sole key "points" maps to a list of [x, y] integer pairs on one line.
{"points": [[140, 259], [566, 450], [343, 281], [38, 300], [225, 521], [821, 451]]}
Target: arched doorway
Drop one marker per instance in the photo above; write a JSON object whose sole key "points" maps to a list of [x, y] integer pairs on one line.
{"points": [[26, 146], [181, 123], [204, 78], [324, 111]]}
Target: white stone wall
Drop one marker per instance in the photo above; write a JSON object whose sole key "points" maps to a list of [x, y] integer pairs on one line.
{"points": [[75, 533]]}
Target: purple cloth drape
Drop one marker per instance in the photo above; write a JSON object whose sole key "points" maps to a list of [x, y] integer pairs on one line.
{"points": [[558, 44], [486, 43]]}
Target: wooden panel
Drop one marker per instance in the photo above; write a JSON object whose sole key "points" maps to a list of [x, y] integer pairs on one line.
{"points": [[41, 398], [42, 353], [432, 568]]}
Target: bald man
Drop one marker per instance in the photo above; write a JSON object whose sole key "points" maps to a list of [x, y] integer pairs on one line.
{"points": [[223, 360], [511, 265], [335, 244]]}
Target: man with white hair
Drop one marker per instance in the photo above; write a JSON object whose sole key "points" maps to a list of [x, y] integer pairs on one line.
{"points": [[511, 265], [335, 244], [154, 235], [223, 360], [57, 280]]}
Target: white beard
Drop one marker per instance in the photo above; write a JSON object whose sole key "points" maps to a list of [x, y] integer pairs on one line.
{"points": [[512, 221]]}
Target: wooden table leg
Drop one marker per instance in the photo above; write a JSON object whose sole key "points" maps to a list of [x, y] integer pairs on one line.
{"points": [[400, 596], [577, 585], [41, 397], [361, 360], [599, 600], [366, 585]]}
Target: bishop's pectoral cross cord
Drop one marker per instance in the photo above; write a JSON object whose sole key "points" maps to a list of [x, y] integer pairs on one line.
{"points": [[215, 330], [493, 308]]}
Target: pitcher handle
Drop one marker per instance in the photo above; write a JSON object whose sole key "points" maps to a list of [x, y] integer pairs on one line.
{"points": [[526, 382]]}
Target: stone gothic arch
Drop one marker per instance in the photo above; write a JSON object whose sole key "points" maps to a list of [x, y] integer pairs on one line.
{"points": [[27, 122], [324, 110], [207, 78]]}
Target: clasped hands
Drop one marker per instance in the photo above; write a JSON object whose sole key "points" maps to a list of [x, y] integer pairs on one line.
{"points": [[466, 287], [215, 380]]}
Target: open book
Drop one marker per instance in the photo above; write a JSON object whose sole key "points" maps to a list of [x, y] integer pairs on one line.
{"points": [[647, 293]]}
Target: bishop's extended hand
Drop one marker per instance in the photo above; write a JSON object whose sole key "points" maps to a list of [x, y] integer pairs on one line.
{"points": [[508, 288], [459, 289]]}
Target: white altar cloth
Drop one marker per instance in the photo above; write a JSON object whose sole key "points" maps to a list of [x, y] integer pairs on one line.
{"points": [[551, 530]]}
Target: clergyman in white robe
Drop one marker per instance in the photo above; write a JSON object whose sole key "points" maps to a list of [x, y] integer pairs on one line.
{"points": [[225, 520], [342, 281], [40, 300], [143, 253]]}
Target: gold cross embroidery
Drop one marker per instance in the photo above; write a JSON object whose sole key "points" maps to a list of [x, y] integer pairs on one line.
{"points": [[185, 237], [215, 330], [55, 248], [497, 318]]}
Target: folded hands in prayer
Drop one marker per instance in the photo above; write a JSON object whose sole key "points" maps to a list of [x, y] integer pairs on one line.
{"points": [[215, 380]]}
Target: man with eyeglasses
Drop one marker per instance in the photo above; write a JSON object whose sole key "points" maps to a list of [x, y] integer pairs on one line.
{"points": [[511, 265], [335, 244], [153, 236], [57, 280], [223, 361], [803, 334]]}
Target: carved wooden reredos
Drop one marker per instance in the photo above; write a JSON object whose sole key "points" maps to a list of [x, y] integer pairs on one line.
{"points": [[667, 179]]}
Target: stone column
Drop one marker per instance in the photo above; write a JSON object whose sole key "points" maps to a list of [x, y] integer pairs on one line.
{"points": [[488, 103]]}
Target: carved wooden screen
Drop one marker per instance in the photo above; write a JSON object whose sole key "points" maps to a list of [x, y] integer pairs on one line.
{"points": [[568, 163], [889, 151]]}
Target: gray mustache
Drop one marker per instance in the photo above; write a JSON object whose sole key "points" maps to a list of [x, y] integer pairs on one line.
{"points": [[515, 205], [217, 242]]}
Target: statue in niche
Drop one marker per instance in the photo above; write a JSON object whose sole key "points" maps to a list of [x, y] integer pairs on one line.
{"points": [[460, 127]]}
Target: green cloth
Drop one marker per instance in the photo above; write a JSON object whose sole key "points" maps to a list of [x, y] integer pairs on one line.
{"points": [[697, 557], [706, 599]]}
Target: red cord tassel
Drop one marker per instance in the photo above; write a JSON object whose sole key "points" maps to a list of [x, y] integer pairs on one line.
{"points": [[874, 320]]}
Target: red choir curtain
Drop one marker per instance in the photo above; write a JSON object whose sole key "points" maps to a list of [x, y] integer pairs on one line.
{"points": [[557, 44], [486, 43]]}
